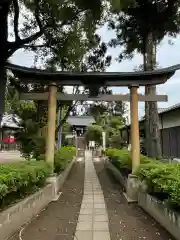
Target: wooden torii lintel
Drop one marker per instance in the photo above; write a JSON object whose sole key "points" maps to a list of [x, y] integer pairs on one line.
{"points": [[85, 97]]}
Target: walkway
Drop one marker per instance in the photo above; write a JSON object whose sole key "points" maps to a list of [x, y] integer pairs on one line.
{"points": [[84, 216], [93, 218]]}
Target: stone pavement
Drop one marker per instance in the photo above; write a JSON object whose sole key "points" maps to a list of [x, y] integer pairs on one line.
{"points": [[93, 218], [10, 156]]}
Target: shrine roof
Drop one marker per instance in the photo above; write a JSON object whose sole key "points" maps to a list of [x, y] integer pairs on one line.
{"points": [[140, 78], [80, 120]]}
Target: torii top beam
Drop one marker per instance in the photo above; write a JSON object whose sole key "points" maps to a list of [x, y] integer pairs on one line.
{"points": [[140, 78]]}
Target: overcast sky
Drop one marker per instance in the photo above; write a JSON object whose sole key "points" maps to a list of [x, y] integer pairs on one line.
{"points": [[167, 55]]}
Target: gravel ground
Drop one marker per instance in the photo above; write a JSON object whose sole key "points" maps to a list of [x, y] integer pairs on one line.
{"points": [[126, 221], [58, 221]]}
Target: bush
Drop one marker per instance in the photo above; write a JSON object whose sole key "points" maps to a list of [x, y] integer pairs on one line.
{"points": [[163, 181], [121, 158], [19, 179], [62, 157], [39, 147], [110, 152]]}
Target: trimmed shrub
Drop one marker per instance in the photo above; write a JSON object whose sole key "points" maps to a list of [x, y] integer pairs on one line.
{"points": [[110, 152], [20, 179], [163, 181], [62, 157], [121, 158]]}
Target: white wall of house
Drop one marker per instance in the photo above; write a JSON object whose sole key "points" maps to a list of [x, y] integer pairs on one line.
{"points": [[166, 120], [170, 119]]}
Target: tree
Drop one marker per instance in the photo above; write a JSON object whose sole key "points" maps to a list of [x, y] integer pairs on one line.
{"points": [[140, 26], [94, 133], [108, 122], [43, 28], [11, 97], [96, 60], [115, 122]]}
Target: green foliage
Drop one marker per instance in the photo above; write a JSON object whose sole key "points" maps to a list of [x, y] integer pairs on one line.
{"points": [[134, 20], [51, 21], [39, 147], [94, 133], [121, 158], [28, 133], [31, 143], [62, 157], [103, 115], [11, 97], [19, 179], [163, 181], [114, 140], [115, 122], [97, 110]]}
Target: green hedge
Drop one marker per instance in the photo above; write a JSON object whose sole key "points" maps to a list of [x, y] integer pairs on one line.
{"points": [[121, 158], [162, 179], [62, 157], [19, 179]]}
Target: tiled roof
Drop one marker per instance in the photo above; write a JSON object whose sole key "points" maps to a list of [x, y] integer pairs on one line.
{"points": [[173, 107], [10, 121], [80, 120]]}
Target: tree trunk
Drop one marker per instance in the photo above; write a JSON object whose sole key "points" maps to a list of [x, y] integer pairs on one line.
{"points": [[153, 143], [146, 125], [4, 10]]}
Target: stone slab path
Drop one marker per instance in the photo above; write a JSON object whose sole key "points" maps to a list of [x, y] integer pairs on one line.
{"points": [[93, 217]]}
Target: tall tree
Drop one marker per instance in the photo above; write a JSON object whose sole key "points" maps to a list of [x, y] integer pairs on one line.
{"points": [[140, 25], [43, 28]]}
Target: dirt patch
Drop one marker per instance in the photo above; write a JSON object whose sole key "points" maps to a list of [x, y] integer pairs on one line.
{"points": [[126, 221]]}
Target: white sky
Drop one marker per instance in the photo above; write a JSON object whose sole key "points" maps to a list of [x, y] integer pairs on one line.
{"points": [[167, 55]]}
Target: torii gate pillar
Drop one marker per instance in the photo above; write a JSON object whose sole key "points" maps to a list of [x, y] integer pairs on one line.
{"points": [[50, 142], [132, 182], [135, 142]]}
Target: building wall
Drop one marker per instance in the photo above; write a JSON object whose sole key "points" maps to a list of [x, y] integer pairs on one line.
{"points": [[170, 133], [170, 119], [170, 142]]}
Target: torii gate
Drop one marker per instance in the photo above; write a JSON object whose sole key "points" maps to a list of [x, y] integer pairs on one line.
{"points": [[133, 80]]}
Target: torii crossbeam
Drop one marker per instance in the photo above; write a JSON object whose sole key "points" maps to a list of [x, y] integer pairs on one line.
{"points": [[86, 97]]}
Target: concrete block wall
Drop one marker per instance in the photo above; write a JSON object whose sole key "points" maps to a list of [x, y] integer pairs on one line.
{"points": [[14, 217]]}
